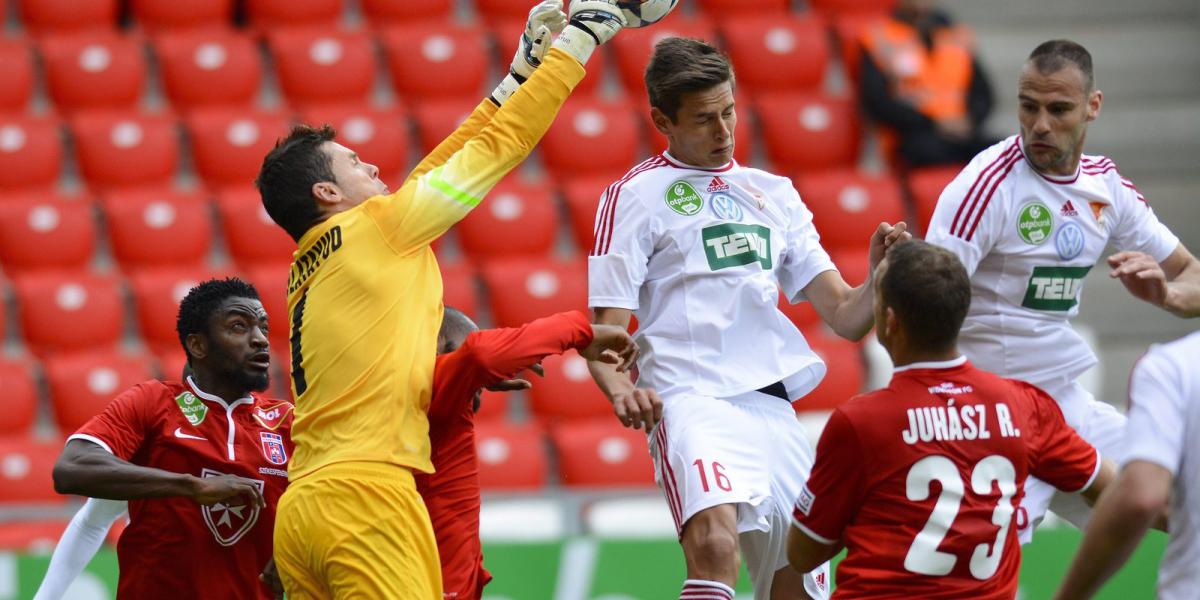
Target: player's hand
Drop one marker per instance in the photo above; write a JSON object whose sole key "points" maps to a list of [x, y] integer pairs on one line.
{"points": [[223, 488], [516, 383], [884, 238], [638, 408], [611, 345], [600, 19], [1141, 275], [545, 19], [270, 576]]}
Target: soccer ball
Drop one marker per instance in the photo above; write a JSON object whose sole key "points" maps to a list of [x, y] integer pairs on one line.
{"points": [[641, 13]]}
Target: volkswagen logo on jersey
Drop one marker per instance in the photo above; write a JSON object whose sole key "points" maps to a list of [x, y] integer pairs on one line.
{"points": [[725, 207], [229, 522], [272, 447], [1069, 240]]}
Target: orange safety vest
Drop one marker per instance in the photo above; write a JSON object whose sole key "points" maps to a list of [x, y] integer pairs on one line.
{"points": [[936, 81]]}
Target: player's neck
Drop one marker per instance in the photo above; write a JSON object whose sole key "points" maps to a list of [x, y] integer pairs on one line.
{"points": [[902, 357], [213, 385]]}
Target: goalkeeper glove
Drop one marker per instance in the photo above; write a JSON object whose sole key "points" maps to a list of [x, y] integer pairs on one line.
{"points": [[591, 23], [545, 19]]}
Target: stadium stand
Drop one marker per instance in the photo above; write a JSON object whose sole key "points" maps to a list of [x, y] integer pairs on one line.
{"points": [[522, 290], [378, 135], [582, 197], [589, 122], [511, 457], [633, 47], [436, 119], [418, 57], [158, 226], [173, 16], [600, 453], [228, 144], [104, 69], [45, 16], [25, 464], [125, 148], [250, 234], [82, 383], [322, 65], [31, 151], [71, 310], [268, 14], [924, 187], [520, 219], [210, 66], [727, 8], [156, 297], [809, 131], [773, 52], [847, 205], [383, 12], [16, 70], [20, 396], [567, 391], [46, 232]]}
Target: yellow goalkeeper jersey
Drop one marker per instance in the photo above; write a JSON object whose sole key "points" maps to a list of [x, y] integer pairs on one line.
{"points": [[365, 293]]}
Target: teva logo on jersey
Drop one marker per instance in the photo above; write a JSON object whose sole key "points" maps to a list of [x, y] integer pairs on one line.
{"points": [[1054, 288], [193, 408], [1068, 210], [733, 245], [229, 522], [1035, 223], [717, 185], [683, 198], [272, 447]]}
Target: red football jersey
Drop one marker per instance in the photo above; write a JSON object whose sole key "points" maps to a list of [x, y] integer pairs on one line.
{"points": [[921, 480], [173, 547], [451, 493]]}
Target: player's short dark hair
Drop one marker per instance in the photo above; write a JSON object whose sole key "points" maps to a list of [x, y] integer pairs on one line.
{"points": [[680, 66], [1055, 55], [456, 326], [287, 176], [929, 290], [202, 301]]}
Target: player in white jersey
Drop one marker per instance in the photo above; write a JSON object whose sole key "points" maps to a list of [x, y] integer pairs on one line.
{"points": [[1029, 217], [1163, 443], [699, 247]]}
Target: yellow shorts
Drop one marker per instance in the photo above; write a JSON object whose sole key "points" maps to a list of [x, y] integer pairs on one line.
{"points": [[356, 530]]}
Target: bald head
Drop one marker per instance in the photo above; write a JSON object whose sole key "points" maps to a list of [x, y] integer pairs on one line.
{"points": [[456, 326]]}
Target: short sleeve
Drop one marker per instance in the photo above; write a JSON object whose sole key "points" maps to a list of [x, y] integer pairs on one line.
{"points": [[1137, 227], [835, 489], [625, 239], [803, 258], [969, 215], [1157, 413], [124, 424], [1060, 456]]}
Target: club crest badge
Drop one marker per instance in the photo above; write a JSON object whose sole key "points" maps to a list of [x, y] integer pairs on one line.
{"points": [[229, 521], [273, 448]]}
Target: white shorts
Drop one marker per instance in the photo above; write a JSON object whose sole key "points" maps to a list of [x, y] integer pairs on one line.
{"points": [[748, 450], [1103, 426]]}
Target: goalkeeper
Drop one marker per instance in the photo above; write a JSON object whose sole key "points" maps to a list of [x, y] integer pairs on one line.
{"points": [[365, 304]]}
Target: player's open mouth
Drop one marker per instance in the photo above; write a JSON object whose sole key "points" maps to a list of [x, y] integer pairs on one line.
{"points": [[260, 361]]}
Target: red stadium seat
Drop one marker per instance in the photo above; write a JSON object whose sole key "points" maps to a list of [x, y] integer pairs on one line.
{"points": [[844, 7], [725, 8], [171, 362], [853, 263], [777, 52], [378, 135], [848, 30], [16, 71], [437, 119], [384, 12], [31, 151], [118, 148], [152, 227], [522, 290], [46, 233], [31, 536], [503, 9], [228, 145], [251, 235], [82, 384], [44, 16], [848, 205], [845, 375], [452, 60], [634, 46], [20, 396], [322, 65], [156, 296], [269, 14], [925, 186], [101, 70], [458, 287], [801, 315], [25, 466], [208, 67], [601, 453], [809, 131], [511, 457], [175, 15], [583, 200], [493, 406], [591, 123], [567, 391], [270, 279], [69, 310], [743, 132], [518, 218]]}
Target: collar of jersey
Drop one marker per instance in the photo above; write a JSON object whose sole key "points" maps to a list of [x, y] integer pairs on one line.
{"points": [[1060, 179], [213, 398], [678, 164], [933, 364]]}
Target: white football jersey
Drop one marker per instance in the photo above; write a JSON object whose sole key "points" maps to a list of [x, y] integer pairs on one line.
{"points": [[1028, 240], [700, 255], [1164, 429]]}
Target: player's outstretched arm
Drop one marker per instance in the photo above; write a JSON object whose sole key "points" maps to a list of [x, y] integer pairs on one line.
{"points": [[86, 469], [1121, 519], [639, 408], [805, 553], [1173, 285], [847, 310], [78, 544]]}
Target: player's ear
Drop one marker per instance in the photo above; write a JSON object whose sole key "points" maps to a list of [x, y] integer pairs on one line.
{"points": [[197, 345], [889, 322], [326, 193], [661, 121], [1095, 99]]}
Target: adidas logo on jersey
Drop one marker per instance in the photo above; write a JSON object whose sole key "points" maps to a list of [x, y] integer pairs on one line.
{"points": [[717, 185], [1068, 210]]}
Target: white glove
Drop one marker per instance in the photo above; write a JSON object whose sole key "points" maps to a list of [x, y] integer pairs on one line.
{"points": [[591, 23], [545, 19]]}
